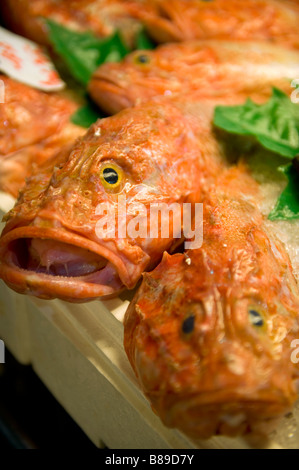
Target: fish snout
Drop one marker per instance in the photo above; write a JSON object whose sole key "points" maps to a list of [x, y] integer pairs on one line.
{"points": [[111, 94]]}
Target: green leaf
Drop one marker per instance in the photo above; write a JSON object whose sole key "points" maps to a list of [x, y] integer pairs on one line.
{"points": [[143, 41], [274, 124], [86, 116], [83, 52], [287, 206]]}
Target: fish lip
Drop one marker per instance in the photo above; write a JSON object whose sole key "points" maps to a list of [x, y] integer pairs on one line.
{"points": [[239, 414], [109, 95], [72, 289]]}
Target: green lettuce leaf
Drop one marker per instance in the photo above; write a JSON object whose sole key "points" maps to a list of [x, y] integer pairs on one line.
{"points": [[83, 52], [287, 206], [143, 41], [274, 124], [87, 115]]}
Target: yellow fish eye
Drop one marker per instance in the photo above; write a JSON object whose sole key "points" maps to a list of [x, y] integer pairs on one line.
{"points": [[111, 177], [142, 59], [256, 318]]}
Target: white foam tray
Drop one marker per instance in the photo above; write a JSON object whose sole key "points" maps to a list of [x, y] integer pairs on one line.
{"points": [[77, 351]]}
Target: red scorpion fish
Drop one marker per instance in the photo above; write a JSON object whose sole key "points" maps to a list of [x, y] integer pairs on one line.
{"points": [[102, 17], [209, 69], [161, 152], [33, 127], [260, 20], [209, 333]]}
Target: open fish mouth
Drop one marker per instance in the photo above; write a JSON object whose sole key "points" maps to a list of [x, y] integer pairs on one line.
{"points": [[49, 263]]}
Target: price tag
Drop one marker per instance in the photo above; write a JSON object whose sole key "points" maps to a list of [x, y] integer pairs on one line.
{"points": [[27, 62]]}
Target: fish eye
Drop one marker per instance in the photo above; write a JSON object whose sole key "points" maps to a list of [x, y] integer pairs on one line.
{"points": [[188, 325], [142, 59], [256, 318], [111, 177]]}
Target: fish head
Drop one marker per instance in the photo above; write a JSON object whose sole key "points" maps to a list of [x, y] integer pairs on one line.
{"points": [[140, 76], [211, 347], [166, 72], [56, 244]]}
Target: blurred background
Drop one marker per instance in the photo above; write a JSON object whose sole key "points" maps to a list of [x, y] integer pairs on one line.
{"points": [[30, 418]]}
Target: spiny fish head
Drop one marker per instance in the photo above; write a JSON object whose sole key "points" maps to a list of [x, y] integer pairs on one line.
{"points": [[139, 77], [165, 71], [210, 358], [51, 245]]}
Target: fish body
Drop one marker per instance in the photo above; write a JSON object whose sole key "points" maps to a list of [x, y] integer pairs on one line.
{"points": [[162, 152], [29, 116], [259, 20], [209, 333], [102, 17], [207, 69], [33, 127]]}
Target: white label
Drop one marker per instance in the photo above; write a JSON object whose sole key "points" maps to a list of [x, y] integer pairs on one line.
{"points": [[27, 62]]}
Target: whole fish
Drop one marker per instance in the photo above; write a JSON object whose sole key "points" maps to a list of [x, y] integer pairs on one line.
{"points": [[205, 68], [259, 20], [161, 152], [102, 17], [33, 127], [209, 333]]}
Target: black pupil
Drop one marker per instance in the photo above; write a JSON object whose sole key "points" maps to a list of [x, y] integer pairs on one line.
{"points": [[256, 318], [143, 59], [110, 176], [188, 324]]}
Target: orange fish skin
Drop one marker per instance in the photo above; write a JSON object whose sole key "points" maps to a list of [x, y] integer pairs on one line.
{"points": [[207, 69], [34, 126], [29, 115], [18, 166], [209, 332], [259, 20], [166, 153], [102, 17]]}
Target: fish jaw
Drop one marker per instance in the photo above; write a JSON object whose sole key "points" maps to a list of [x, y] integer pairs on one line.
{"points": [[232, 415], [114, 272], [109, 95]]}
